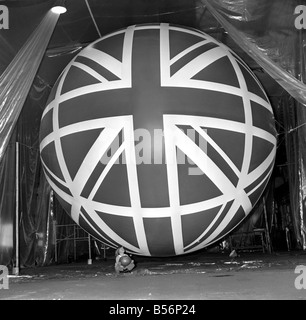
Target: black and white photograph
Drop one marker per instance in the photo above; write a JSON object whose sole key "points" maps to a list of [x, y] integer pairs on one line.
{"points": [[153, 153]]}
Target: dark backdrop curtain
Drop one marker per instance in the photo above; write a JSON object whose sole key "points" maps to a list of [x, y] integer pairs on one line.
{"points": [[35, 228], [266, 31]]}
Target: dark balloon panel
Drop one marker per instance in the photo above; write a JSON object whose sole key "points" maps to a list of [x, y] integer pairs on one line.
{"points": [[157, 138]]}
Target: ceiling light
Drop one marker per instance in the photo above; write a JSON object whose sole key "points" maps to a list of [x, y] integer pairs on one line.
{"points": [[59, 7]]}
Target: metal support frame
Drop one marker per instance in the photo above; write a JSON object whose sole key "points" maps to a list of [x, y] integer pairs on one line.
{"points": [[247, 241], [77, 234]]}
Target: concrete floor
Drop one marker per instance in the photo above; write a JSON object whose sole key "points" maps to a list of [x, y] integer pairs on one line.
{"points": [[200, 276]]}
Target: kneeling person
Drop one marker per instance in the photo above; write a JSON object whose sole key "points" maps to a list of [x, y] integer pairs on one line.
{"points": [[123, 261]]}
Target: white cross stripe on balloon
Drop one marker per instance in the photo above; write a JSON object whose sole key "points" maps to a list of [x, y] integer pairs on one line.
{"points": [[112, 127], [181, 140], [221, 226], [123, 70], [179, 79], [174, 138], [183, 77]]}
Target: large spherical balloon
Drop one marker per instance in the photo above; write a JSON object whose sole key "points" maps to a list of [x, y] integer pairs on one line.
{"points": [[158, 138]]}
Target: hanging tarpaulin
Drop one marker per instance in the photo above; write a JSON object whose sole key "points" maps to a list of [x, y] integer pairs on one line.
{"points": [[302, 207], [293, 132], [34, 195], [275, 46], [16, 80], [7, 205]]}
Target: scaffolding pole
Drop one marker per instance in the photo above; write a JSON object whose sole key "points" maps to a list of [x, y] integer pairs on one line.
{"points": [[16, 269]]}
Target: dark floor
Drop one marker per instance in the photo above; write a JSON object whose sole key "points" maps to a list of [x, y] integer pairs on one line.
{"points": [[200, 276]]}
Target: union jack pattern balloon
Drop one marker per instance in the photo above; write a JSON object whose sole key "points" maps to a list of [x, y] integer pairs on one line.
{"points": [[158, 138]]}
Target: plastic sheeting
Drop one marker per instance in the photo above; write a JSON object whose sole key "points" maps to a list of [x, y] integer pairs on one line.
{"points": [[7, 204], [294, 133], [38, 210], [16, 80], [266, 31], [35, 223], [15, 84], [34, 231]]}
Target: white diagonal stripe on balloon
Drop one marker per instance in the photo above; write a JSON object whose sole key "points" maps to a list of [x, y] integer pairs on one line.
{"points": [[248, 141], [202, 133], [90, 71], [189, 49], [107, 230], [103, 59], [68, 198], [125, 73], [208, 228], [256, 173], [199, 63], [57, 138], [53, 175], [92, 158], [183, 79], [221, 226], [264, 180], [105, 171], [213, 172]]}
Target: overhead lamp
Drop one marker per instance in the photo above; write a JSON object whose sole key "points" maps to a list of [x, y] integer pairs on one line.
{"points": [[59, 7]]}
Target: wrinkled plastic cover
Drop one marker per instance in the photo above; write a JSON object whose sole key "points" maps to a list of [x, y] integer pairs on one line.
{"points": [[266, 30], [22, 102], [295, 138], [16, 80]]}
